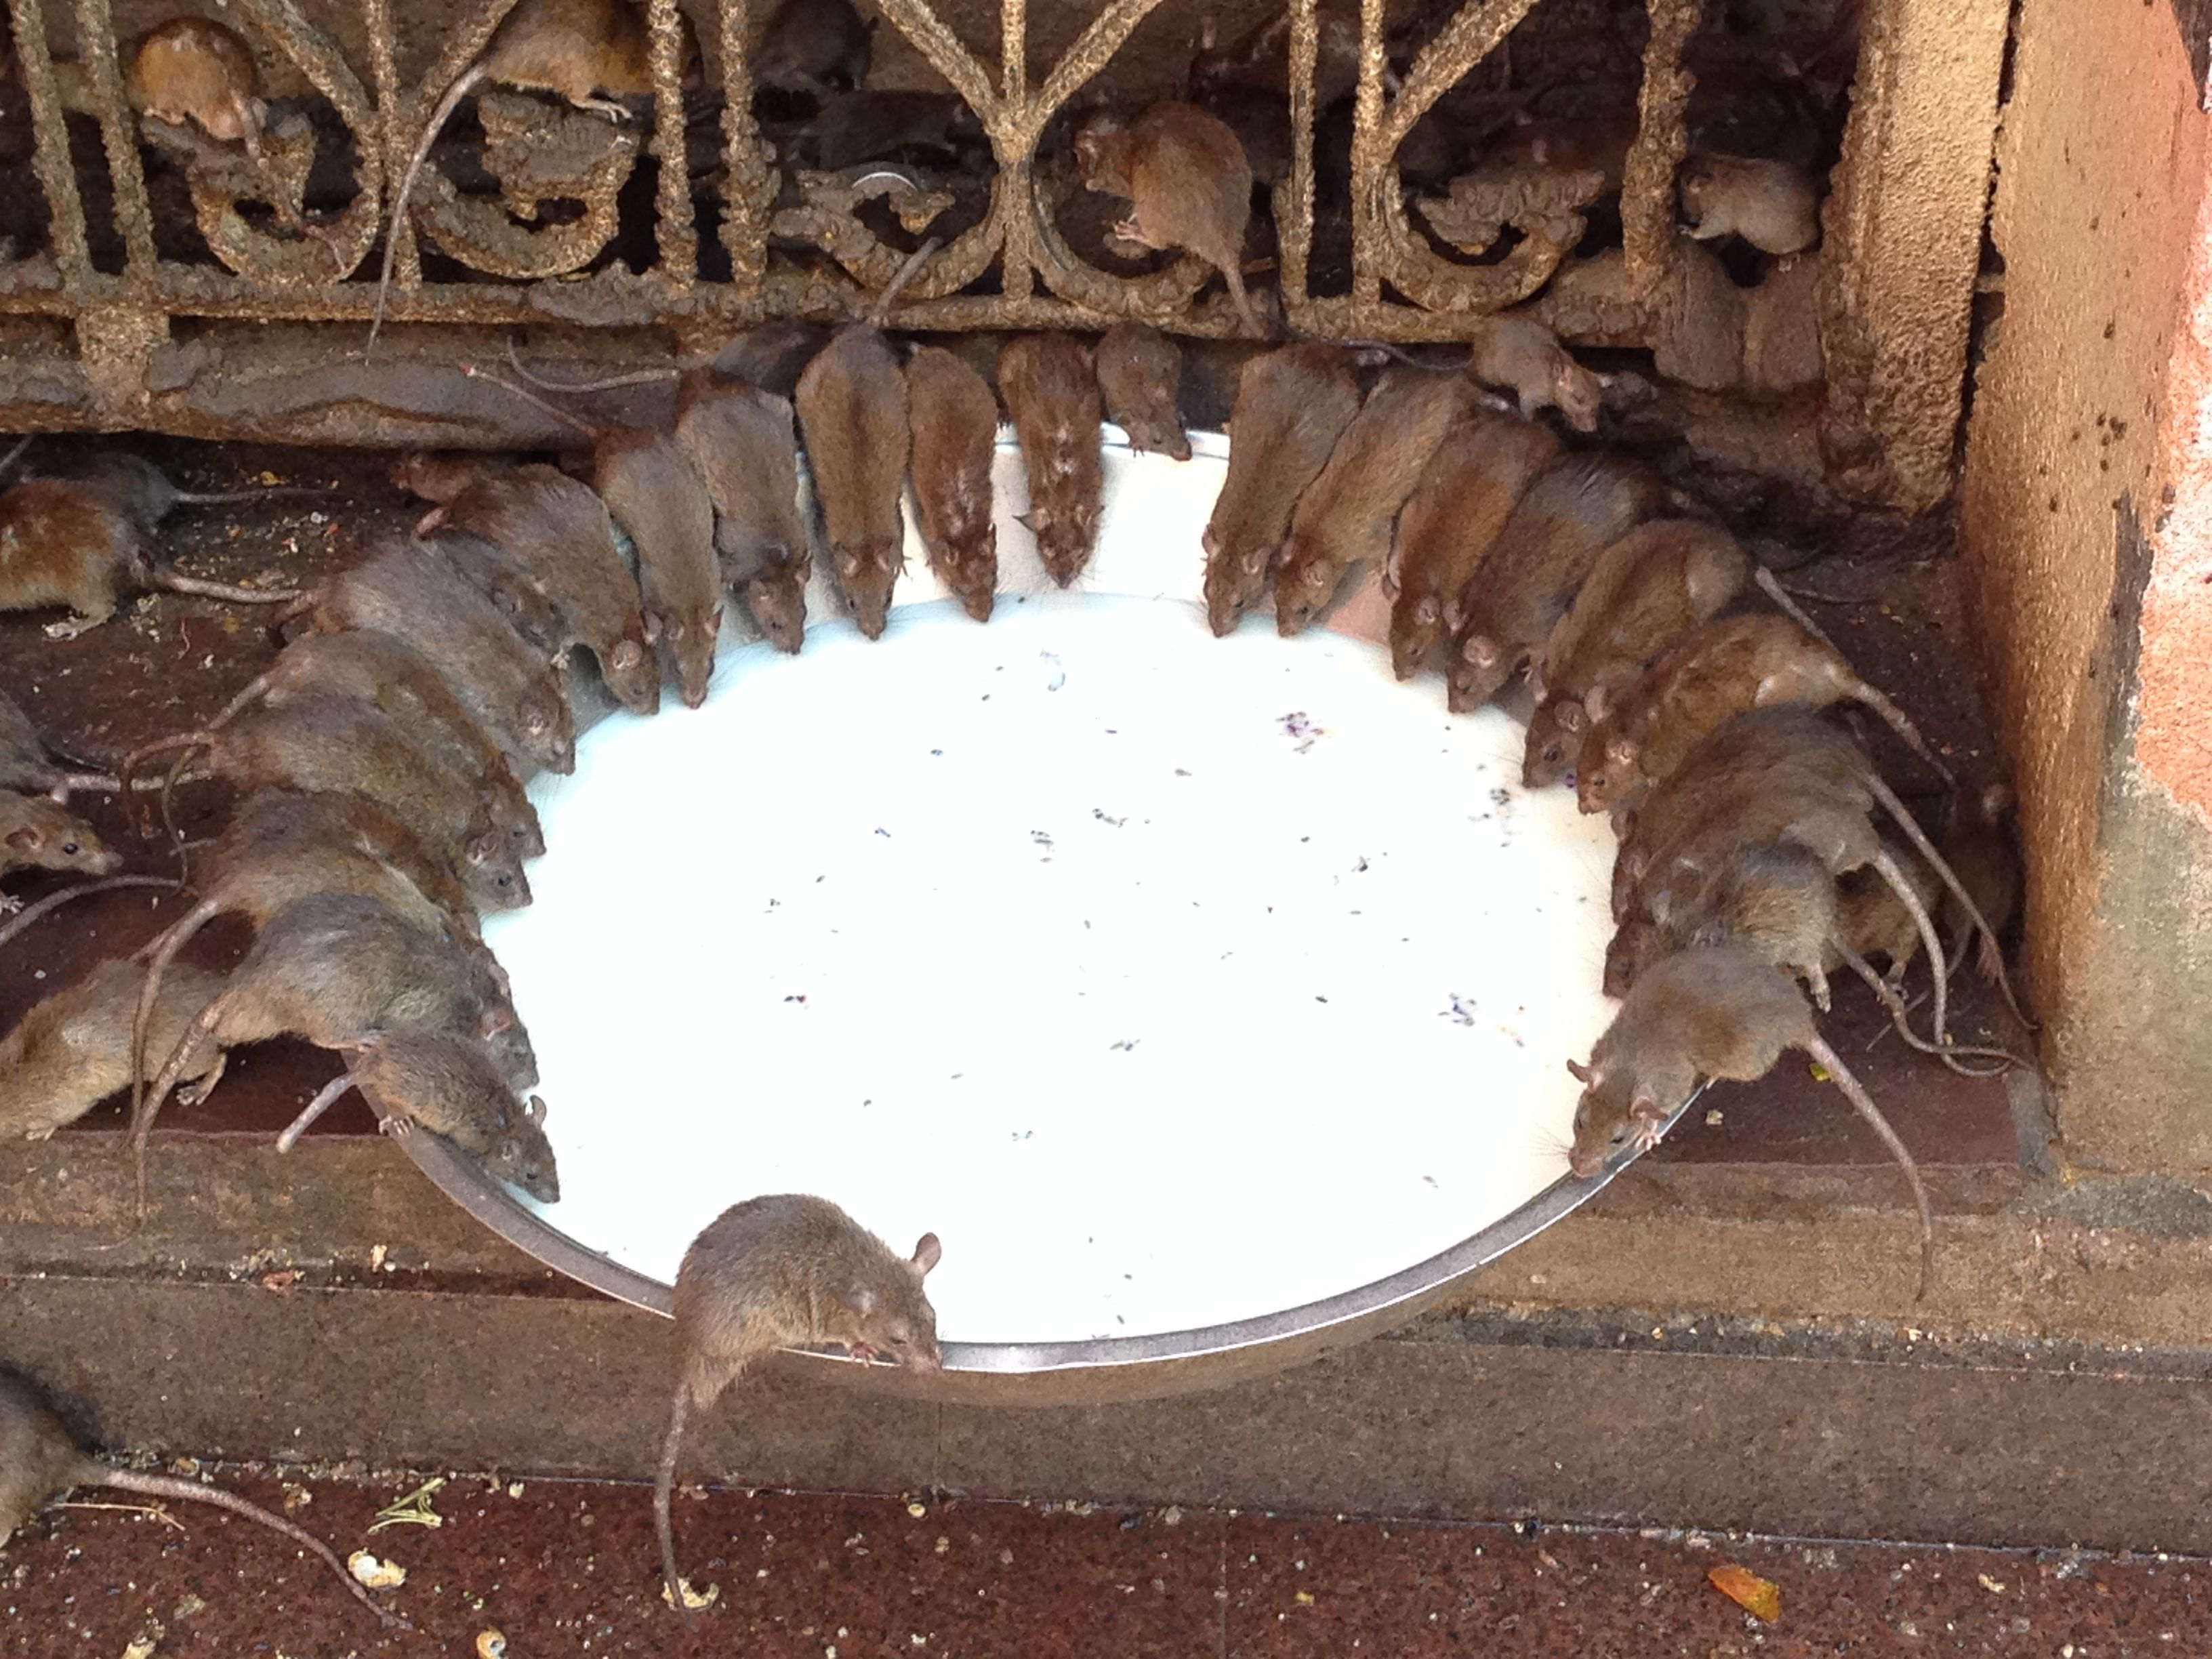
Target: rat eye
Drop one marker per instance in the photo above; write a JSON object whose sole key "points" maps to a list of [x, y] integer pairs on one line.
{"points": [[69, 848]]}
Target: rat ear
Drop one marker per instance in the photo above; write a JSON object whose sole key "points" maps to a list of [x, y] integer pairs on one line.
{"points": [[927, 1250], [484, 846], [1582, 1073], [492, 1021], [861, 1299], [1593, 702], [1256, 561], [651, 627], [1480, 650], [23, 839], [1569, 715], [535, 1111], [1622, 751]]}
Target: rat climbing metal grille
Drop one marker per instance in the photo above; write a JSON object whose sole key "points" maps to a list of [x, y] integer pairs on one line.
{"points": [[1401, 288]]}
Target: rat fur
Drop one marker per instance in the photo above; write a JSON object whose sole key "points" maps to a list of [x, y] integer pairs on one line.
{"points": [[1657, 582], [786, 1270], [1346, 516], [1140, 377], [40, 1462], [741, 442], [1184, 175], [1293, 404], [1052, 395], [1466, 493], [1576, 508], [1712, 1012], [1719, 669], [955, 418]]}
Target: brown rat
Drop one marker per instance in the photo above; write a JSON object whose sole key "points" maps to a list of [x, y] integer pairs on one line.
{"points": [[38, 834], [1719, 669], [1772, 205], [192, 70], [507, 583], [1260, 57], [813, 46], [383, 672], [446, 1083], [1978, 847], [575, 49], [553, 527], [410, 592], [1577, 507], [40, 1462], [1779, 774], [772, 356], [83, 543], [1292, 405], [784, 1272], [336, 745], [438, 476], [25, 764], [282, 846], [1712, 1012], [1345, 517], [1470, 486], [661, 503], [1525, 356], [72, 1050], [334, 968], [1657, 582], [1140, 377], [852, 407], [1184, 175], [742, 445], [955, 418], [1052, 397]]}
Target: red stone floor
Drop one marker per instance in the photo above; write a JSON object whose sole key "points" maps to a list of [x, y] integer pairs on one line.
{"points": [[558, 1567]]}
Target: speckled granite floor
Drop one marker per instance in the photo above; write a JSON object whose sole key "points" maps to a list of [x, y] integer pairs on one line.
{"points": [[569, 1568]]}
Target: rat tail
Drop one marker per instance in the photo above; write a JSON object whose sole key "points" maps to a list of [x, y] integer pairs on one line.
{"points": [[144, 1111], [1854, 1091], [314, 1109], [30, 912], [663, 1486], [261, 493], [202, 589], [1243, 301], [159, 954], [1886, 995], [191, 1491], [1771, 585], [187, 741], [462, 85], [529, 397], [1913, 833], [1930, 941], [611, 383], [1901, 723], [906, 274]]}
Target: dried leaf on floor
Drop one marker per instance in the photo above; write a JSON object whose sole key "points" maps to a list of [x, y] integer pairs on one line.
{"points": [[1759, 1597], [414, 1509]]}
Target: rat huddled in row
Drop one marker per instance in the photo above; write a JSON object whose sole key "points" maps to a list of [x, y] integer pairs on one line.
{"points": [[380, 760]]}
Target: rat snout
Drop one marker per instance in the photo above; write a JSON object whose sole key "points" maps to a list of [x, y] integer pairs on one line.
{"points": [[1586, 1165], [926, 1360]]}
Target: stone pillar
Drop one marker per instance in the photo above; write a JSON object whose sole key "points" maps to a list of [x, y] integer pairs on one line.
{"points": [[2086, 521]]}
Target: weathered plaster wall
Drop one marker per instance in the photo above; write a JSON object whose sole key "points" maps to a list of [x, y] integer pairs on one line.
{"points": [[2089, 411]]}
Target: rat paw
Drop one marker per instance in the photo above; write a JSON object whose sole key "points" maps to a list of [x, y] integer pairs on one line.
{"points": [[72, 627]]}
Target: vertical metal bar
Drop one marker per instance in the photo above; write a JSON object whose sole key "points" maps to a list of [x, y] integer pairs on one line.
{"points": [[1647, 184], [1014, 57], [1294, 231], [678, 237], [1369, 158], [391, 136], [745, 192], [119, 132], [1017, 254], [49, 153]]}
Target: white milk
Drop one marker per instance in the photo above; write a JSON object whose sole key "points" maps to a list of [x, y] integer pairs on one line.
{"points": [[1171, 980]]}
